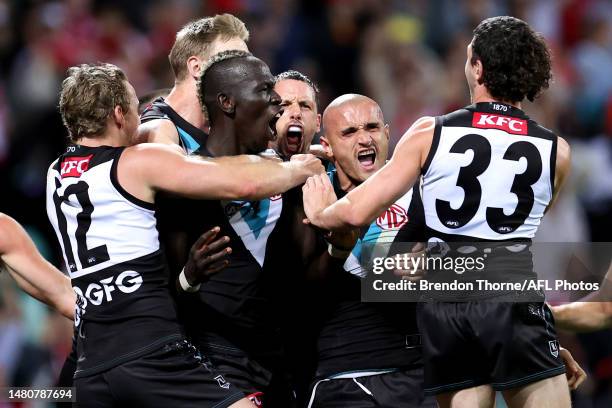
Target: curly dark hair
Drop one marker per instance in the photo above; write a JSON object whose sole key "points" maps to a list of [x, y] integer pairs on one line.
{"points": [[515, 59]]}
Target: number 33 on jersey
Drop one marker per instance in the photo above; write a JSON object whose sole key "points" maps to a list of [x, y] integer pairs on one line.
{"points": [[489, 175]]}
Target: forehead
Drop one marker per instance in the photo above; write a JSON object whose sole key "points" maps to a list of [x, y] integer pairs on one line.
{"points": [[294, 89], [355, 114], [253, 70]]}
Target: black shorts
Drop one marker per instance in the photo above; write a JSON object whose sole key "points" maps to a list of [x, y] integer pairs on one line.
{"points": [[505, 345], [173, 376], [402, 388], [267, 385]]}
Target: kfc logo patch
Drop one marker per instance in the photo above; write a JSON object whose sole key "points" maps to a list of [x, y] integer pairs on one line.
{"points": [[75, 166], [395, 217], [506, 123]]}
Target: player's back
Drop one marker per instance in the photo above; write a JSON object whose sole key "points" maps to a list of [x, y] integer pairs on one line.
{"points": [[111, 250], [489, 174], [488, 180]]}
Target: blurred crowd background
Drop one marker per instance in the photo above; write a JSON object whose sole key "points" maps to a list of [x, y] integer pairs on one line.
{"points": [[408, 55]]}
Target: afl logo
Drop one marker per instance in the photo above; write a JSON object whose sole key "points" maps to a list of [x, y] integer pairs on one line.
{"points": [[395, 217]]}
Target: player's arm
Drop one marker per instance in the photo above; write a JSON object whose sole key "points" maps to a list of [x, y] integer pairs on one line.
{"points": [[378, 192], [148, 167], [562, 168], [158, 131], [593, 312], [31, 271]]}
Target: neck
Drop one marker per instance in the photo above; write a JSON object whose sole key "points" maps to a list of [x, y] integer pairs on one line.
{"points": [[481, 94], [183, 98], [346, 183], [223, 140], [108, 138]]}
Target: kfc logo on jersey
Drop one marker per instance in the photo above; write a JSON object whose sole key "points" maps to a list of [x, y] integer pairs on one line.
{"points": [[506, 123], [75, 166], [395, 217]]}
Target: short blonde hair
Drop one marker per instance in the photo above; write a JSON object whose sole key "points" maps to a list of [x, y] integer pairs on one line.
{"points": [[89, 96], [196, 37]]}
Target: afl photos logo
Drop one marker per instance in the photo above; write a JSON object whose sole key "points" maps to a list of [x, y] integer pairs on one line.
{"points": [[395, 217]]}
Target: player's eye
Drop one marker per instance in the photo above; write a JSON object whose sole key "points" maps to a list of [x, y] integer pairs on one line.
{"points": [[348, 131]]}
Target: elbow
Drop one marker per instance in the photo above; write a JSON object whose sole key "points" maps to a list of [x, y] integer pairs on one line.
{"points": [[355, 219]]}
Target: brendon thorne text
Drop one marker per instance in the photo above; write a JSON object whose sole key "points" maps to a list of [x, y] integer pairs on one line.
{"points": [[424, 285]]}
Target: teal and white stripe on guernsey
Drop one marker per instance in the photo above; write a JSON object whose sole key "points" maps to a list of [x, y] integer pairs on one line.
{"points": [[254, 222], [188, 141], [383, 230]]}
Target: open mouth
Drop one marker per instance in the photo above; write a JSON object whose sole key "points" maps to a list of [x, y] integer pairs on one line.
{"points": [[272, 125], [294, 138], [367, 158]]}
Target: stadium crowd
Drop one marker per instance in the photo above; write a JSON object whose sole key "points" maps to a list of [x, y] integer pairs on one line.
{"points": [[408, 56]]}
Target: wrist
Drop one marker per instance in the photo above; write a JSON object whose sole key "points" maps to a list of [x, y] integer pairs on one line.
{"points": [[338, 253], [185, 285]]}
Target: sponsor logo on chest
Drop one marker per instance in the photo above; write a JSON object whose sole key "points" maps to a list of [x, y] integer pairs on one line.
{"points": [[393, 218]]}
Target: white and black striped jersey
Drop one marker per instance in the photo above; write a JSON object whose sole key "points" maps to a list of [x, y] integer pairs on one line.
{"points": [[111, 249], [489, 175]]}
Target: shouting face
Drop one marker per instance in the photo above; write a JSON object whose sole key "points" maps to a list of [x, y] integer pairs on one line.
{"points": [[356, 137], [300, 120]]}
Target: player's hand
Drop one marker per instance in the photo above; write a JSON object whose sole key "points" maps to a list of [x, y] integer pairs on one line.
{"points": [[318, 195], [319, 151], [574, 373], [308, 163], [418, 268], [207, 256]]}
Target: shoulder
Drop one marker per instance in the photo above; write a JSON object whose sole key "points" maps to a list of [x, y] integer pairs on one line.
{"points": [[149, 151], [563, 148], [149, 155], [419, 135], [564, 157], [160, 130]]}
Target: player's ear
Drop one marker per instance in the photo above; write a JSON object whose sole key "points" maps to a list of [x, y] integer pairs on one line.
{"points": [[327, 148], [318, 123], [194, 66], [118, 116], [387, 131], [478, 72], [226, 103]]}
